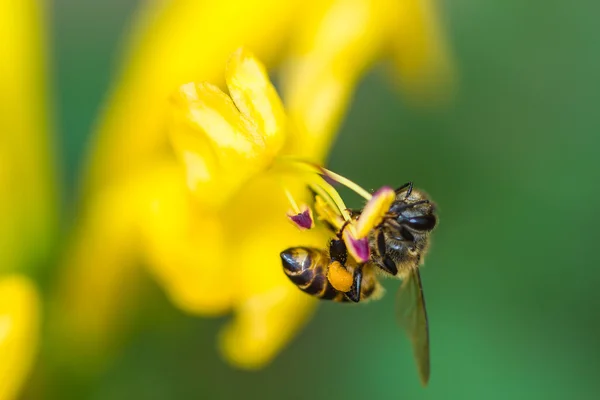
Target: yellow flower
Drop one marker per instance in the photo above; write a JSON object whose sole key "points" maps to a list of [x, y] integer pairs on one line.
{"points": [[208, 222], [211, 222], [324, 46], [219, 248], [27, 201]]}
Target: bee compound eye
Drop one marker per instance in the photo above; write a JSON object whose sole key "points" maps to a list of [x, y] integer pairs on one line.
{"points": [[422, 223]]}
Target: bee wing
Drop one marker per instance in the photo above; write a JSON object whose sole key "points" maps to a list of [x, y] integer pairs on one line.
{"points": [[412, 316]]}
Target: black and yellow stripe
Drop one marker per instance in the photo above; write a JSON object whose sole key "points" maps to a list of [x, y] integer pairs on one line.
{"points": [[307, 268]]}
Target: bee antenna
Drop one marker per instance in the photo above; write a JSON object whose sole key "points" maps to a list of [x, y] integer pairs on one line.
{"points": [[409, 190], [408, 185], [407, 206]]}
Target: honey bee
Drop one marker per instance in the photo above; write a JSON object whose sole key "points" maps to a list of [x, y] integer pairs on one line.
{"points": [[397, 247]]}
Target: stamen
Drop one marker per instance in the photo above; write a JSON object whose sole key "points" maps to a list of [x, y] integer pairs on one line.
{"points": [[315, 181], [329, 194], [300, 216], [349, 184], [326, 213], [312, 167], [357, 247], [303, 219], [374, 211], [290, 198], [307, 166], [356, 232]]}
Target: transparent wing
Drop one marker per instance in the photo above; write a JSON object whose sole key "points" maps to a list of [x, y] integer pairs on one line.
{"points": [[412, 316]]}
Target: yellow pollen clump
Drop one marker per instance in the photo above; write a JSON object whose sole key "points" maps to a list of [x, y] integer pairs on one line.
{"points": [[339, 277]]}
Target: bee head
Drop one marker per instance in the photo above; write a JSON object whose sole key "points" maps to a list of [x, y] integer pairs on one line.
{"points": [[413, 211]]}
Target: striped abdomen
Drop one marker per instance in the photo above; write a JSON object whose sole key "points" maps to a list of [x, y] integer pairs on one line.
{"points": [[307, 268]]}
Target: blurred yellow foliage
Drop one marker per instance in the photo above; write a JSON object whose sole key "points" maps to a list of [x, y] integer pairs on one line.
{"points": [[27, 192], [19, 325]]}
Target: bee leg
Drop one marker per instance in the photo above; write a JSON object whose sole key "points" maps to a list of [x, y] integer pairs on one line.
{"points": [[381, 243], [339, 252], [408, 185], [386, 263], [354, 292]]}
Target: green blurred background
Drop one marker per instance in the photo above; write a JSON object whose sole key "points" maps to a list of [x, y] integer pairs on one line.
{"points": [[512, 278]]}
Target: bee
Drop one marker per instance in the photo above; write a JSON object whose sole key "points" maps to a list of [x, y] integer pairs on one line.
{"points": [[397, 248]]}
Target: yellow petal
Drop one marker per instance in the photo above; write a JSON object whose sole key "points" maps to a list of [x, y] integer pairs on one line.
{"points": [[269, 309], [256, 98], [28, 204], [19, 324], [374, 211], [123, 227], [264, 324], [175, 42], [98, 288], [421, 55], [220, 147], [184, 247], [331, 49]]}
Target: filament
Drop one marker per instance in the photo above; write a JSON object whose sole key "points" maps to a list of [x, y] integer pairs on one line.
{"points": [[315, 168], [290, 198], [349, 184]]}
